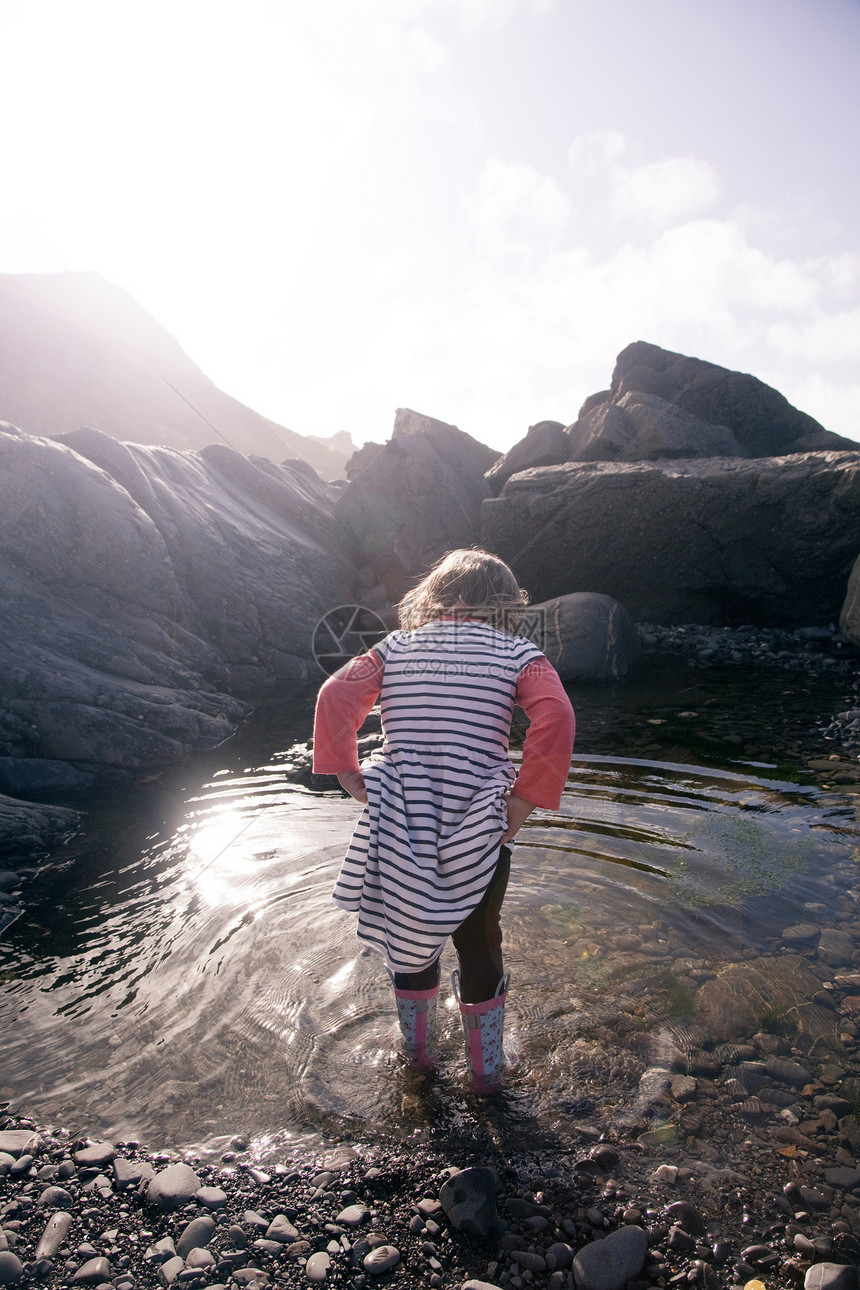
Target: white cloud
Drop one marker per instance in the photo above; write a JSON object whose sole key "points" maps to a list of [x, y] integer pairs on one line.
{"points": [[835, 404], [512, 204], [593, 152], [828, 338], [663, 192]]}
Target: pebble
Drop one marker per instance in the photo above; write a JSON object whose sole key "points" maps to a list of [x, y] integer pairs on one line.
{"points": [[381, 1259]]}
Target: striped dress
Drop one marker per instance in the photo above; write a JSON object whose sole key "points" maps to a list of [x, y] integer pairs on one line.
{"points": [[427, 842]]}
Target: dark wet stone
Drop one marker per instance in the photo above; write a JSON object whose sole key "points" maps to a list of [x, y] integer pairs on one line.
{"points": [[687, 1217], [469, 1201], [813, 1199], [842, 1176], [11, 1268], [55, 1198], [831, 1276], [211, 1197], [610, 1263], [131, 1173], [788, 1072]]}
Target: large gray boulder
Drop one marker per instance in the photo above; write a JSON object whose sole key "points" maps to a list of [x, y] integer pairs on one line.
{"points": [[545, 444], [646, 427], [586, 637], [411, 499], [768, 541], [849, 617], [728, 413], [148, 595]]}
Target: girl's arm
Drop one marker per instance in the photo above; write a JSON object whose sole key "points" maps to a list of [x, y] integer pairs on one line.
{"points": [[342, 704], [549, 742]]}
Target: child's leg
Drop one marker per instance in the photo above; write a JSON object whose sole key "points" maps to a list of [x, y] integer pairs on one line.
{"points": [[478, 940], [427, 979], [417, 994]]}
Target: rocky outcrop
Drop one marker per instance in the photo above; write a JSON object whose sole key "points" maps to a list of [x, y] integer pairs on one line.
{"points": [[662, 404], [768, 541], [411, 499], [585, 637], [148, 594], [849, 618], [545, 444], [78, 350]]}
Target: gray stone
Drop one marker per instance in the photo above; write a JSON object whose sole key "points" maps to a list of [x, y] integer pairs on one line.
{"points": [[54, 1233], [639, 427], [211, 1197], [609, 1263], [382, 1258], [561, 1253], [198, 1257], [11, 1268], [469, 1201], [18, 1142], [318, 1266], [831, 1276], [474, 1284], [586, 637], [170, 1270], [352, 1215], [545, 444], [55, 1198], [281, 1229], [413, 499], [93, 1272], [843, 1176], [196, 1235], [712, 541], [172, 1187], [95, 1155], [788, 1072], [131, 1173], [836, 947]]}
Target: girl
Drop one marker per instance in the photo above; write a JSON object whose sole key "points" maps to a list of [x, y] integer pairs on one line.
{"points": [[428, 858]]}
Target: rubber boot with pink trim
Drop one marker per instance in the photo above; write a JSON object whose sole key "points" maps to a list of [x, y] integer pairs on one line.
{"points": [[484, 1028], [416, 1013]]}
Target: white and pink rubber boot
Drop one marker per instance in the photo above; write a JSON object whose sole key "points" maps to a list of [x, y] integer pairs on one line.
{"points": [[484, 1028], [416, 1012]]}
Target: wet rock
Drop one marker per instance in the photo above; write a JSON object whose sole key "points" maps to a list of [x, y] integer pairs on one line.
{"points": [[733, 1003], [93, 1272], [131, 1173], [801, 934], [281, 1229], [585, 636], [173, 1187], [469, 1202], [56, 1230], [611, 1262], [686, 1216], [830, 1276], [318, 1266], [169, 1271], [381, 1259], [96, 1155], [11, 1268], [836, 947], [195, 1235], [55, 1198], [353, 1215], [211, 1197], [842, 1176], [17, 1142], [788, 1072]]}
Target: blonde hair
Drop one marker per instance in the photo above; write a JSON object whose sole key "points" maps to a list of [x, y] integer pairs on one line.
{"points": [[468, 583]]}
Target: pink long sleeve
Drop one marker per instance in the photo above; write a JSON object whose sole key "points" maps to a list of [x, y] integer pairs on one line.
{"points": [[342, 704], [549, 742]]}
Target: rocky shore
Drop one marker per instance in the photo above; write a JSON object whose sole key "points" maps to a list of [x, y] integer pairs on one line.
{"points": [[765, 1189]]}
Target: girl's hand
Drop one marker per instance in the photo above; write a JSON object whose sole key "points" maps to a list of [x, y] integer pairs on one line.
{"points": [[519, 811], [353, 782]]}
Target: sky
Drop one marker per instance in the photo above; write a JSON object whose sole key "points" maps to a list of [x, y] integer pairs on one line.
{"points": [[464, 207]]}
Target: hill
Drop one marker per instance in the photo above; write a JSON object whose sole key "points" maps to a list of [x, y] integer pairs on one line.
{"points": [[79, 351]]}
